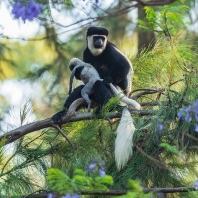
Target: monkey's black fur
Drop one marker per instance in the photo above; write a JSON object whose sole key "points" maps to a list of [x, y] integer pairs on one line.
{"points": [[101, 94], [111, 65], [97, 30]]}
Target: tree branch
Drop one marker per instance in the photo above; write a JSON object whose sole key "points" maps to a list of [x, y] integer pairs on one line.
{"points": [[121, 192], [71, 116], [154, 3]]}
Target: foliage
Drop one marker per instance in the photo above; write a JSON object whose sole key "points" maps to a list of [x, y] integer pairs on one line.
{"points": [[63, 184], [168, 20], [135, 191]]}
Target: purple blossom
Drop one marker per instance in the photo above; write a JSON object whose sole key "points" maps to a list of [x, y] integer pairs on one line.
{"points": [[181, 114], [50, 195], [196, 128], [195, 185], [187, 113], [71, 196], [92, 166], [184, 114], [196, 110], [160, 126], [101, 171], [27, 11], [188, 118], [96, 166]]}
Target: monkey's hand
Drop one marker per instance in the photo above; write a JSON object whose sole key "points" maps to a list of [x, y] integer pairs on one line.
{"points": [[58, 116], [107, 80]]}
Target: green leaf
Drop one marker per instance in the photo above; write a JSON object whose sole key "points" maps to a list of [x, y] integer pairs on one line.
{"points": [[169, 147], [81, 180], [135, 186], [59, 181], [79, 172], [106, 179]]}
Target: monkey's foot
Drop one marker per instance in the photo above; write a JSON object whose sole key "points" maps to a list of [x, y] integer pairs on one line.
{"points": [[58, 116]]}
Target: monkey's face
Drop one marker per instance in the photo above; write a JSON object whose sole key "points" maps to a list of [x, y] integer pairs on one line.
{"points": [[96, 44]]}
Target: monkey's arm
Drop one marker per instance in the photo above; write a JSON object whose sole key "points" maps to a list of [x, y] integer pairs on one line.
{"points": [[119, 66], [72, 76]]}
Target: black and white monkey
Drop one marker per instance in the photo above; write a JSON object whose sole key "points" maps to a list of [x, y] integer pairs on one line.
{"points": [[89, 75], [113, 67]]}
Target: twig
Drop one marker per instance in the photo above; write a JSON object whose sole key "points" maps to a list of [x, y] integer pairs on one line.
{"points": [[190, 136], [145, 92], [157, 162], [63, 134], [34, 193], [153, 103], [147, 89], [176, 82], [193, 147]]}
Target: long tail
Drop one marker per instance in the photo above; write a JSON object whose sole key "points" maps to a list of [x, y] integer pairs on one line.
{"points": [[124, 99], [123, 142]]}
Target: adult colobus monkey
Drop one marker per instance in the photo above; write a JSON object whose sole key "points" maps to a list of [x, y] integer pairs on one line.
{"points": [[113, 67]]}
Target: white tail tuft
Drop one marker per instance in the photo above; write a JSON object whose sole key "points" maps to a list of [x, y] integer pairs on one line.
{"points": [[123, 142]]}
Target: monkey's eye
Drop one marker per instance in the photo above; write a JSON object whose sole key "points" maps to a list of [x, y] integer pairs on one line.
{"points": [[99, 37]]}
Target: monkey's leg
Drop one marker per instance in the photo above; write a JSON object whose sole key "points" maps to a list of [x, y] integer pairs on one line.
{"points": [[86, 91], [70, 99], [101, 94], [72, 76], [86, 97], [124, 86]]}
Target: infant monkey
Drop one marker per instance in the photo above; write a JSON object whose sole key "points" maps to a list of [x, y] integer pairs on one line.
{"points": [[89, 75]]}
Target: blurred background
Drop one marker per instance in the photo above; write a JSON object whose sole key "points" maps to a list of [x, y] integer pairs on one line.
{"points": [[160, 41]]}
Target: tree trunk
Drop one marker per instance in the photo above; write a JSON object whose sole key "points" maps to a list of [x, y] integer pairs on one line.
{"points": [[145, 39]]}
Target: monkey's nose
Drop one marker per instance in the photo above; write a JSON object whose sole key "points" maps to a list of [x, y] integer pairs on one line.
{"points": [[98, 43]]}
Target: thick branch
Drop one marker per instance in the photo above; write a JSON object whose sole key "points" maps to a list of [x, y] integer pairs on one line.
{"points": [[123, 192], [154, 3], [71, 116]]}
